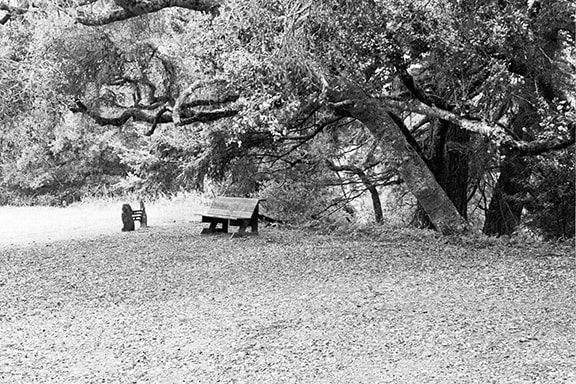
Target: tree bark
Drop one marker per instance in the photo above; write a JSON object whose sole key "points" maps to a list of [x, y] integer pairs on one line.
{"points": [[128, 9], [449, 162], [453, 165], [411, 167], [504, 212]]}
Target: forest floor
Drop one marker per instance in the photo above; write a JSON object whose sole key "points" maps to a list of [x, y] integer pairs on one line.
{"points": [[166, 305]]}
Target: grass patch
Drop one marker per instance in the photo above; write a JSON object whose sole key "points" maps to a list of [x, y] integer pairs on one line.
{"points": [[169, 306], [90, 218]]}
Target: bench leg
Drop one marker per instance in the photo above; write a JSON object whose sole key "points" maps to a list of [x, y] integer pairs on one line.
{"points": [[213, 228], [144, 217], [243, 226]]}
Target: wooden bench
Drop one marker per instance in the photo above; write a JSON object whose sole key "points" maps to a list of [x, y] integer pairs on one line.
{"points": [[236, 211], [129, 216]]}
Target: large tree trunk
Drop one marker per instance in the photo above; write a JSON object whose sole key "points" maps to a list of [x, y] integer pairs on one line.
{"points": [[415, 173], [505, 211], [454, 162], [448, 161]]}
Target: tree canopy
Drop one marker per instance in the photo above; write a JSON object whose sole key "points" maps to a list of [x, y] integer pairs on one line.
{"points": [[468, 104]]}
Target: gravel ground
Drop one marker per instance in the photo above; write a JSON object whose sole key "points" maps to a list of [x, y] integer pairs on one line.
{"points": [[169, 306]]}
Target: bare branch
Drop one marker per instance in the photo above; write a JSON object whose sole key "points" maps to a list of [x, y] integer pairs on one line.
{"points": [[319, 127]]}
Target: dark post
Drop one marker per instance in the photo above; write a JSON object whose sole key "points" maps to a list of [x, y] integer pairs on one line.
{"points": [[144, 218], [127, 219], [254, 219]]}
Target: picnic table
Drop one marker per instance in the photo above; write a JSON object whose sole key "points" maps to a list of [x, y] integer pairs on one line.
{"points": [[235, 211]]}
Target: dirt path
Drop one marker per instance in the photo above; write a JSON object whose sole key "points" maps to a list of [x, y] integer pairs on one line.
{"points": [[27, 225], [170, 306]]}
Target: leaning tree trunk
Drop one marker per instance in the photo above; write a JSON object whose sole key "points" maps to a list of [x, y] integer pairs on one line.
{"points": [[415, 173]]}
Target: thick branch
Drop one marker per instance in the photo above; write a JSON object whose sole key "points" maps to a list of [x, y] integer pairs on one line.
{"points": [[493, 132], [134, 8], [538, 147], [112, 16], [154, 118], [180, 106], [159, 115], [476, 126], [12, 9], [208, 116], [4, 19], [211, 102]]}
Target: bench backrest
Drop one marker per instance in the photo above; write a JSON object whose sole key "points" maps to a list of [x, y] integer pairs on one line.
{"points": [[233, 208]]}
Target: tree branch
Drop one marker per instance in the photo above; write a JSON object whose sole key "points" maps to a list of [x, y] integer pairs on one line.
{"points": [[180, 100], [155, 118], [159, 114], [538, 147], [134, 8], [230, 98], [493, 132], [476, 126], [4, 19], [12, 9], [319, 127]]}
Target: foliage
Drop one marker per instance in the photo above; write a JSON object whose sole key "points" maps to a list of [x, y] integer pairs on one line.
{"points": [[486, 61], [78, 160], [552, 204], [298, 196]]}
